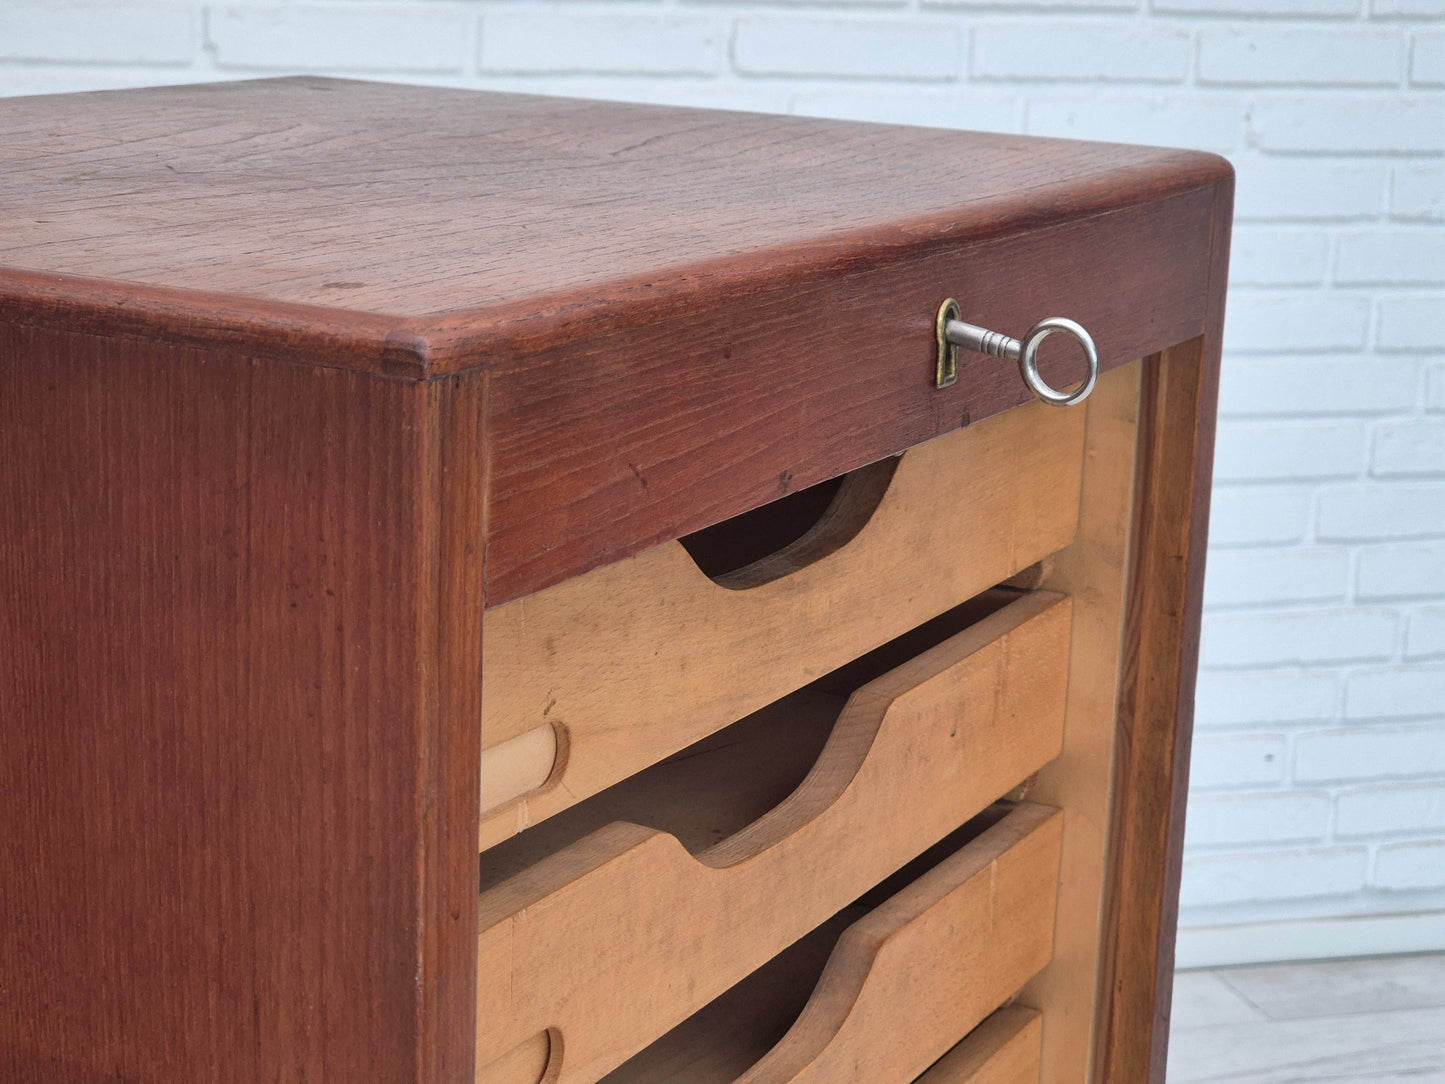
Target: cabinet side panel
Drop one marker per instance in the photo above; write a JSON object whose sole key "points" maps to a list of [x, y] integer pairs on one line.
{"points": [[210, 710]]}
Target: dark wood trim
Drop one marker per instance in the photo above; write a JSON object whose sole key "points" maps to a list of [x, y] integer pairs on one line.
{"points": [[251, 523], [606, 447], [489, 226], [240, 717], [1156, 709], [306, 335], [449, 792]]}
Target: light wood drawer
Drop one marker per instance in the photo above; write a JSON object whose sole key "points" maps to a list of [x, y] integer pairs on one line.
{"points": [[625, 932], [1004, 1049], [595, 678], [899, 985]]}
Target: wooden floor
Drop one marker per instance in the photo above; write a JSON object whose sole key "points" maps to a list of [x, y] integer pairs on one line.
{"points": [[1336, 1021]]}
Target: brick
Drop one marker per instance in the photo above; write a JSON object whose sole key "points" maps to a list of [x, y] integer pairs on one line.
{"points": [[1407, 9], [855, 48], [1242, 577], [1393, 810], [814, 3], [337, 39], [1391, 257], [1273, 697], [1418, 192], [70, 78], [1257, 516], [1403, 867], [1313, 191], [1374, 752], [1408, 570], [1275, 257], [1427, 60], [1303, 386], [1397, 692], [1245, 819], [699, 91], [96, 33], [1037, 5], [1298, 639], [1088, 52], [1300, 55], [1275, 875], [588, 42], [1162, 122], [973, 111], [1412, 323], [1332, 124], [1261, 452], [1337, 8], [1381, 511], [1435, 391], [1293, 323], [1405, 448], [1426, 636], [1237, 763]]}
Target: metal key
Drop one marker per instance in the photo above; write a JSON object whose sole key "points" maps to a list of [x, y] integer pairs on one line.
{"points": [[954, 334]]}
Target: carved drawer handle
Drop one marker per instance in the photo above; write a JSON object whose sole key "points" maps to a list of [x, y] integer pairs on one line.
{"points": [[954, 333]]}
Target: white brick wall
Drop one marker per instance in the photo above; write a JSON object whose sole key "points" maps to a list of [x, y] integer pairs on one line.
{"points": [[1320, 758]]}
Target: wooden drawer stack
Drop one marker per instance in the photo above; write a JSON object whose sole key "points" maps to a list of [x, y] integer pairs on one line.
{"points": [[811, 722], [910, 755], [887, 691]]}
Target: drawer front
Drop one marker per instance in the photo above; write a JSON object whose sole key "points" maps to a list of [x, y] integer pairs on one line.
{"points": [[1005, 1049], [901, 983], [624, 933], [593, 679]]}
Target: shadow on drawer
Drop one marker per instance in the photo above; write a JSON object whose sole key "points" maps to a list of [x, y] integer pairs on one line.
{"points": [[892, 981], [596, 678], [616, 936]]}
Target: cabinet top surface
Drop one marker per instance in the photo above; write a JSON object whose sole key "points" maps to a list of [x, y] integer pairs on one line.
{"points": [[379, 201]]}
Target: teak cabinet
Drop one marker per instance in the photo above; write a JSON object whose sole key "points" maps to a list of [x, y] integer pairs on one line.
{"points": [[396, 475]]}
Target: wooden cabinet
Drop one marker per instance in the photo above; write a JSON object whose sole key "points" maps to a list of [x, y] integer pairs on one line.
{"points": [[395, 476]]}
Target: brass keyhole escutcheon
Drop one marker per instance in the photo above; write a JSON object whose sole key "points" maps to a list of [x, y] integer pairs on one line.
{"points": [[946, 372], [954, 334]]}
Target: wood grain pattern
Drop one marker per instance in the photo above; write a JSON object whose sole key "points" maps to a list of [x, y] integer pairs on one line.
{"points": [[926, 933], [680, 326], [526, 1063], [931, 962], [700, 795], [718, 786], [1004, 1049], [962, 514], [915, 754], [413, 201], [230, 795], [455, 462], [297, 377], [1094, 571], [724, 1039], [664, 426], [1156, 709]]}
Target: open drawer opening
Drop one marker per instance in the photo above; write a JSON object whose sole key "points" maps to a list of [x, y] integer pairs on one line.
{"points": [[594, 678], [626, 928], [729, 780], [878, 991], [791, 532], [721, 1041]]}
